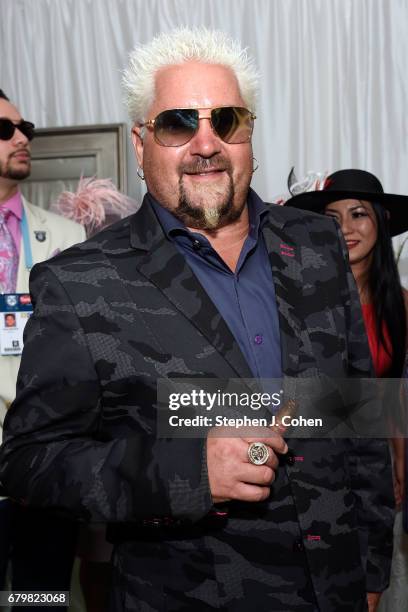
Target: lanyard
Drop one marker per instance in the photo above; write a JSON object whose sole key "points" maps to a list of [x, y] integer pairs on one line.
{"points": [[26, 241]]}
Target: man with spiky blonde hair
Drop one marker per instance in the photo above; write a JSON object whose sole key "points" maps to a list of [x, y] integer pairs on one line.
{"points": [[201, 45], [205, 281]]}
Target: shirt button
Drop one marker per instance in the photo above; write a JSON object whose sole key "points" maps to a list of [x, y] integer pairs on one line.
{"points": [[196, 245], [258, 339], [298, 545]]}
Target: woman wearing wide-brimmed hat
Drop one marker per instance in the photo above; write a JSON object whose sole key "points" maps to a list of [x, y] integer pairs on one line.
{"points": [[368, 218]]}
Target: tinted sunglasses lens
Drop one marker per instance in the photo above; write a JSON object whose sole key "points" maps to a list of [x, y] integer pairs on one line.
{"points": [[6, 129], [233, 125], [173, 128], [27, 128]]}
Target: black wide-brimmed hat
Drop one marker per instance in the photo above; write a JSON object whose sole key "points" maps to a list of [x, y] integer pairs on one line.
{"points": [[356, 185]]}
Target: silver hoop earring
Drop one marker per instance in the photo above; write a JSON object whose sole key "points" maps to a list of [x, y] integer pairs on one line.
{"points": [[140, 174], [257, 165]]}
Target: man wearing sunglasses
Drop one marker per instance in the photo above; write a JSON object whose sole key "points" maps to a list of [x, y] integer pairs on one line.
{"points": [[205, 281], [39, 545]]}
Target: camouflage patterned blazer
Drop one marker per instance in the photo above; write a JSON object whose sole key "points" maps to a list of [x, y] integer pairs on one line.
{"points": [[119, 311]]}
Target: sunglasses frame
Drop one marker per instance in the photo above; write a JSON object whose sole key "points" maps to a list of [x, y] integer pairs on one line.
{"points": [[22, 126], [151, 123]]}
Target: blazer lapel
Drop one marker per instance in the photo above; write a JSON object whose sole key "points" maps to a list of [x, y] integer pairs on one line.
{"points": [[39, 236], [164, 266], [285, 259]]}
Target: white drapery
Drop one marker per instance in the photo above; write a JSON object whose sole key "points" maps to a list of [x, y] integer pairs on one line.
{"points": [[334, 90]]}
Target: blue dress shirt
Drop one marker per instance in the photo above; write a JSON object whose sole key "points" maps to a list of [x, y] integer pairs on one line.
{"points": [[245, 298]]}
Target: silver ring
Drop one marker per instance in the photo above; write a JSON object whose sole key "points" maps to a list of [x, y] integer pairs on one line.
{"points": [[258, 453]]}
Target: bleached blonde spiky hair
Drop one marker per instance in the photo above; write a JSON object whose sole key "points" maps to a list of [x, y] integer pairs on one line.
{"points": [[179, 46]]}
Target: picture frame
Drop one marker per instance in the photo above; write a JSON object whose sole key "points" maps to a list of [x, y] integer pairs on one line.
{"points": [[60, 156]]}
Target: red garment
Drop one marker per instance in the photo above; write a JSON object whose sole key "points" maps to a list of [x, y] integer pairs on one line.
{"points": [[381, 358]]}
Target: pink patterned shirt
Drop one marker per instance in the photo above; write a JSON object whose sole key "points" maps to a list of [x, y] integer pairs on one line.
{"points": [[15, 206]]}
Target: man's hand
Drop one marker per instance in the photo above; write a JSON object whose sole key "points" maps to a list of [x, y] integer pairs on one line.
{"points": [[230, 473], [373, 600]]}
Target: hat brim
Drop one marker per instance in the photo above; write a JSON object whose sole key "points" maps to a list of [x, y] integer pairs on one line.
{"points": [[397, 205]]}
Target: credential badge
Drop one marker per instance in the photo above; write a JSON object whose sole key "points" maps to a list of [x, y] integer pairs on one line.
{"points": [[11, 300]]}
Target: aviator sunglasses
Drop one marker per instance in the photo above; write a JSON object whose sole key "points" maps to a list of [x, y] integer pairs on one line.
{"points": [[177, 126], [7, 129]]}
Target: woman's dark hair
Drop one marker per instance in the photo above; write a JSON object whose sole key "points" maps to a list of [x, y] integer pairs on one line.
{"points": [[386, 290], [3, 96]]}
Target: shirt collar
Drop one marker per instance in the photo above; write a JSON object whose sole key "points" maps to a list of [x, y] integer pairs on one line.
{"points": [[172, 226], [15, 205]]}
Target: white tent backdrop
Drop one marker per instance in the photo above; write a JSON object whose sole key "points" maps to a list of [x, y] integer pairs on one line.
{"points": [[334, 91]]}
